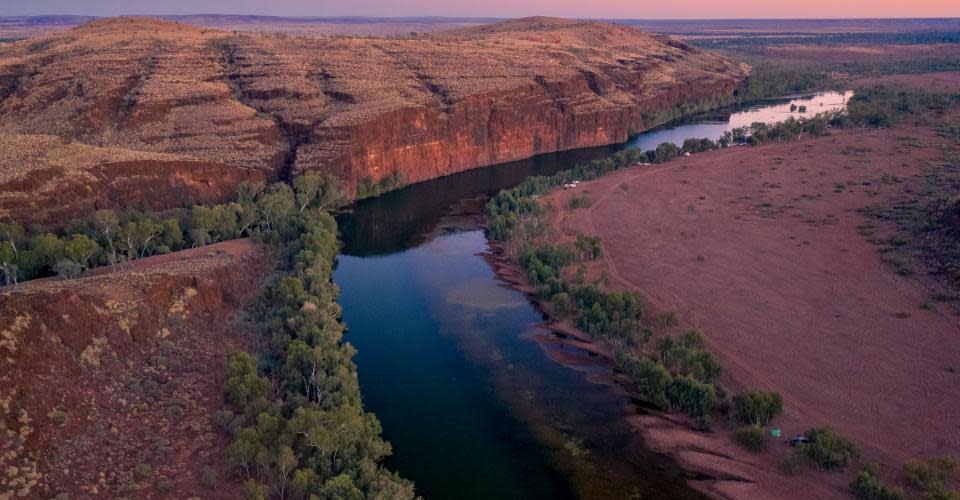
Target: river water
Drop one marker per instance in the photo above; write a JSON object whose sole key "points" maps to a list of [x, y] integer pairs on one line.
{"points": [[479, 401]]}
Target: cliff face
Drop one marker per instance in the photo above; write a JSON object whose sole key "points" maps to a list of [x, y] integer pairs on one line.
{"points": [[452, 101], [110, 371], [423, 143], [174, 104]]}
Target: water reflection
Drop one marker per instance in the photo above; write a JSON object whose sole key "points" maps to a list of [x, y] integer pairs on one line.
{"points": [[408, 217], [477, 400], [468, 389]]}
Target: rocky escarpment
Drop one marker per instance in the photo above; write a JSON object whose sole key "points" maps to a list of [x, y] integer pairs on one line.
{"points": [[109, 384], [182, 105], [441, 104]]}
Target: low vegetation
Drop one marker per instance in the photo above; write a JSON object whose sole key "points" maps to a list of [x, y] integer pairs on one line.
{"points": [[367, 188], [930, 476], [926, 221], [774, 80], [868, 486], [826, 450], [108, 237], [676, 372], [751, 438], [296, 422], [297, 425], [756, 407], [673, 373], [883, 106]]}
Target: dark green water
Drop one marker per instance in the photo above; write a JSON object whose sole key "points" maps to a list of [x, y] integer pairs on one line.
{"points": [[476, 399]]}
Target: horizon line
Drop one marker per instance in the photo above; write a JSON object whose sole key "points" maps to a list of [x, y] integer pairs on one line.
{"points": [[488, 18]]}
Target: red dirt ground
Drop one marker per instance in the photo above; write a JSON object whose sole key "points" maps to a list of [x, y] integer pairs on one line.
{"points": [[759, 248], [109, 384]]}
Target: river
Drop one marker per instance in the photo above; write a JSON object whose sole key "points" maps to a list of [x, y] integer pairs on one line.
{"points": [[476, 398]]}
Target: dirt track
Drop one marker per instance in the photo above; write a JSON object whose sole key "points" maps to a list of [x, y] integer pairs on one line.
{"points": [[759, 247]]}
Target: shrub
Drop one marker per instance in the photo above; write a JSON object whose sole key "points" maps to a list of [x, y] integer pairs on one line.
{"points": [[560, 303], [208, 477], [930, 474], [667, 319], [867, 486], [757, 407], [650, 378], [67, 269], [57, 416], [883, 106], [142, 471], [253, 490], [751, 438], [165, 486], [693, 397], [826, 450], [588, 247], [664, 152], [580, 202], [243, 384]]}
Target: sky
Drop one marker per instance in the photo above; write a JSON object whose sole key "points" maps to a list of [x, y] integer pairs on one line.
{"points": [[624, 9]]}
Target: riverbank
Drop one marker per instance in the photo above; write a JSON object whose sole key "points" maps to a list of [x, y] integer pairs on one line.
{"points": [[775, 244], [715, 465]]}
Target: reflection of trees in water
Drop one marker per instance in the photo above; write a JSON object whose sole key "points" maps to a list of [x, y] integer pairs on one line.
{"points": [[408, 217], [400, 219]]}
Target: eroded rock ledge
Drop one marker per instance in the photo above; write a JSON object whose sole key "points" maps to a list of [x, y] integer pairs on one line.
{"points": [[194, 112]]}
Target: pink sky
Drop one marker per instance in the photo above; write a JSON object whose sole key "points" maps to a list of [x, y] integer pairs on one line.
{"points": [[636, 9]]}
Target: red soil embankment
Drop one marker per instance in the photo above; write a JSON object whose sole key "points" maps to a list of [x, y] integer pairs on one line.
{"points": [[759, 248], [111, 382]]}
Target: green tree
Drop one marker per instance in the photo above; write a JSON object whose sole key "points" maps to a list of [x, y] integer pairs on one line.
{"points": [[243, 384], [242, 452], [315, 189], [81, 250], [10, 234], [275, 206], [106, 225], [45, 250], [302, 482], [284, 463], [340, 487], [171, 236], [665, 152], [691, 396], [868, 486], [139, 237], [929, 475], [254, 490], [651, 379], [757, 407], [751, 438], [199, 224], [827, 450]]}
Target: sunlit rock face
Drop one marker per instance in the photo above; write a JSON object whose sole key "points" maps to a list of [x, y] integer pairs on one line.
{"points": [[124, 111]]}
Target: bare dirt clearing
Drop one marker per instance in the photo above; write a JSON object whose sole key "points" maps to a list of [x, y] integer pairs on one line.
{"points": [[760, 248], [111, 382]]}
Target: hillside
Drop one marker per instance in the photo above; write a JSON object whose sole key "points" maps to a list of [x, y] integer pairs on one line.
{"points": [[166, 113], [111, 383]]}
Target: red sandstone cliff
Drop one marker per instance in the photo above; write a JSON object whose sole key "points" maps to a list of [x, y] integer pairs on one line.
{"points": [[122, 111]]}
